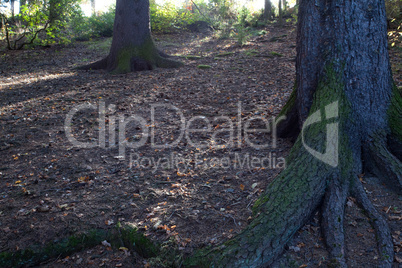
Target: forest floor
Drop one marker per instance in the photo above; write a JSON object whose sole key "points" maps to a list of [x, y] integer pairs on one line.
{"points": [[197, 192]]}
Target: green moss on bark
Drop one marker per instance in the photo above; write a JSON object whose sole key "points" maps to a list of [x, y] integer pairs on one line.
{"points": [[147, 54], [121, 236]]}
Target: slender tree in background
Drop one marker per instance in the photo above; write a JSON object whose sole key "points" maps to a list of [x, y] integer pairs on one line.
{"points": [[267, 10], [285, 5], [22, 3], [12, 6], [93, 7], [280, 12], [345, 110], [133, 48], [55, 7]]}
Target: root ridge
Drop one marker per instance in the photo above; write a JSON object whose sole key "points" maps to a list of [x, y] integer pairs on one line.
{"points": [[384, 239], [385, 164], [333, 210]]}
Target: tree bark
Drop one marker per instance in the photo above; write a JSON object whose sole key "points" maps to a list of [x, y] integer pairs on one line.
{"points": [[267, 10], [22, 3], [93, 7], [12, 5], [54, 11], [133, 48], [344, 109]]}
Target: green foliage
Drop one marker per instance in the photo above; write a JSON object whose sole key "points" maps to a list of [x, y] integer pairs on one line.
{"points": [[169, 18], [101, 25], [40, 23], [25, 27], [237, 22]]}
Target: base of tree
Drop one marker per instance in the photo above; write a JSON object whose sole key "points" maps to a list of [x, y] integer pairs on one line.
{"points": [[309, 184], [134, 59]]}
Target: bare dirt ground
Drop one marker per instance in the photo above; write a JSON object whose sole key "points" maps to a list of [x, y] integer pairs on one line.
{"points": [[199, 191]]}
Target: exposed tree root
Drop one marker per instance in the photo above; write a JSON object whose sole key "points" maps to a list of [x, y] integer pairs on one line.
{"points": [[333, 210], [385, 164], [165, 62], [384, 239], [288, 203], [161, 60], [97, 65]]}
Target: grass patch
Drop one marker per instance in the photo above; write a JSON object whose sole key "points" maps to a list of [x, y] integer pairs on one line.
{"points": [[275, 54], [251, 53], [204, 66], [224, 54], [193, 57], [162, 254]]}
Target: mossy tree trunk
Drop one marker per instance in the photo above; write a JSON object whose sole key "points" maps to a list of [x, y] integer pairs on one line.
{"points": [[133, 48], [344, 107], [54, 11]]}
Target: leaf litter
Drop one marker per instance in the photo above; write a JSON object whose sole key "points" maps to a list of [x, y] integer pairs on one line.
{"points": [[50, 189]]}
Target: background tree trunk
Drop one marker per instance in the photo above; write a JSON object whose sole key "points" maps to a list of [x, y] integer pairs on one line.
{"points": [[12, 6], [132, 47], [345, 107], [54, 11], [93, 7], [280, 13], [22, 3], [267, 10]]}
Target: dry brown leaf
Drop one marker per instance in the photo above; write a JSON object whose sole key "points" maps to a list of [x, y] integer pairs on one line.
{"points": [[398, 260]]}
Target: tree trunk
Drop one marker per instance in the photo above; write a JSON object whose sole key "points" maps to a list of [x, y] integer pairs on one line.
{"points": [[267, 10], [12, 5], [280, 13], [93, 7], [132, 47], [22, 3], [345, 109], [54, 11]]}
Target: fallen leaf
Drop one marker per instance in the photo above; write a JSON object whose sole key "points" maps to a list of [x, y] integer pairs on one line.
{"points": [[109, 222], [301, 244], [398, 218], [398, 260], [106, 244]]}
